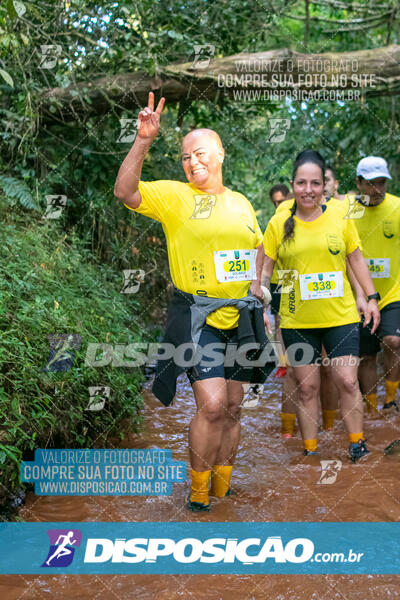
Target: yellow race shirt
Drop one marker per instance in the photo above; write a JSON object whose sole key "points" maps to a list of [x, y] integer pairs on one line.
{"points": [[285, 205], [316, 257], [275, 276], [196, 225], [379, 231]]}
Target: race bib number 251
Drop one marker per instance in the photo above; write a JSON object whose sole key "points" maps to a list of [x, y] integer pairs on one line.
{"points": [[235, 265]]}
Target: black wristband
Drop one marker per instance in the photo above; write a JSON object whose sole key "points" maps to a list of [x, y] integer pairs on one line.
{"points": [[375, 296]]}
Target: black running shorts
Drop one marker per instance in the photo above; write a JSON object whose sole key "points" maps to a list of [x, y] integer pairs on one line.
{"points": [[389, 325], [304, 346]]}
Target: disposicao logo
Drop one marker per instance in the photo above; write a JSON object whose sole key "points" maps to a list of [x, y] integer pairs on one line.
{"points": [[62, 547], [190, 550]]}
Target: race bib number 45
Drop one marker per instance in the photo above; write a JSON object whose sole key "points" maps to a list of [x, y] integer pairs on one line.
{"points": [[235, 265], [316, 286], [378, 267]]}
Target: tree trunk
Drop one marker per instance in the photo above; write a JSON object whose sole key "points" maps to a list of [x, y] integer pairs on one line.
{"points": [[281, 71]]}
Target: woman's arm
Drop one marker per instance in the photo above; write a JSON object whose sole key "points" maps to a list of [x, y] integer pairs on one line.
{"points": [[268, 267], [360, 269], [361, 301], [267, 270]]}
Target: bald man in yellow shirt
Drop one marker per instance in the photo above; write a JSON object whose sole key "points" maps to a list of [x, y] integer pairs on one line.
{"points": [[215, 251]]}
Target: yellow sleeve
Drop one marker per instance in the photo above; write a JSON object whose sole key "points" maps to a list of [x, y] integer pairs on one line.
{"points": [[350, 236], [259, 235], [285, 205], [157, 198], [271, 239]]}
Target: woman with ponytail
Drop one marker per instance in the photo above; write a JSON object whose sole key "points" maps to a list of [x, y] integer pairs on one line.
{"points": [[312, 240]]}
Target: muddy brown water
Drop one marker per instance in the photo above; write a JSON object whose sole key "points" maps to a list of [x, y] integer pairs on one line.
{"points": [[272, 481]]}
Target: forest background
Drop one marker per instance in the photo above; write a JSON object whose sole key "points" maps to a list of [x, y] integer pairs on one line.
{"points": [[63, 276]]}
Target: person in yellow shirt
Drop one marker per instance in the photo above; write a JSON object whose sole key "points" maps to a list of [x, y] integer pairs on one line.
{"points": [[215, 254], [331, 185], [311, 240], [278, 194], [378, 225], [328, 391]]}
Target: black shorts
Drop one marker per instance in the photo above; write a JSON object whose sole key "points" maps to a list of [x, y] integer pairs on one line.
{"points": [[304, 346], [276, 299], [227, 366], [389, 325]]}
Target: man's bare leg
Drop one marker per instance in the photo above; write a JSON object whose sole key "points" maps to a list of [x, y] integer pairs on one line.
{"points": [[391, 366], [329, 397], [205, 436], [368, 378], [289, 404], [222, 469], [308, 384], [206, 428]]}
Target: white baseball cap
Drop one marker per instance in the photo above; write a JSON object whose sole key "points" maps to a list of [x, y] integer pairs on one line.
{"points": [[372, 167]]}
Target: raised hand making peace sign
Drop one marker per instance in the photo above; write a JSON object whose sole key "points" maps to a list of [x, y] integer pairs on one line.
{"points": [[149, 119], [148, 125]]}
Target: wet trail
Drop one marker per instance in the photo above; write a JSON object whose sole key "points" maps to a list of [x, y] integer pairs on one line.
{"points": [[272, 481]]}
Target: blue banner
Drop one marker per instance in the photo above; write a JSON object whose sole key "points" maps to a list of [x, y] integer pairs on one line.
{"points": [[88, 472], [193, 548]]}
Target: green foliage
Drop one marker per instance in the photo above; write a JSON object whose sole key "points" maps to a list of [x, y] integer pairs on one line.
{"points": [[50, 286], [66, 277], [17, 190], [100, 37]]}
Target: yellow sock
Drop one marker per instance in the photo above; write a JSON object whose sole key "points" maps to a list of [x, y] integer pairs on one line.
{"points": [[220, 480], [371, 401], [287, 423], [328, 418], [199, 492], [310, 445], [391, 389], [354, 437], [283, 360]]}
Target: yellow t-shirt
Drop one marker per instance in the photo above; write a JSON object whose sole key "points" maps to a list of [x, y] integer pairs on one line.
{"points": [[195, 225], [318, 246], [285, 205], [379, 231], [275, 276]]}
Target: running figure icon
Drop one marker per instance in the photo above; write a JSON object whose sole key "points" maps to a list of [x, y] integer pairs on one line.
{"points": [[63, 543], [62, 549]]}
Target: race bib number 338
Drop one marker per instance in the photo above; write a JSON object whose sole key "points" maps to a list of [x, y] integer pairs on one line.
{"points": [[235, 265], [316, 286]]}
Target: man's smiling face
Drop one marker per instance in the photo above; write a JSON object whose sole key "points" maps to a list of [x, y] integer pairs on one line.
{"points": [[202, 157]]}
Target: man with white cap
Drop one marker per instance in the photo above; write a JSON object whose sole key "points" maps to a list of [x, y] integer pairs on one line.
{"points": [[378, 225]]}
